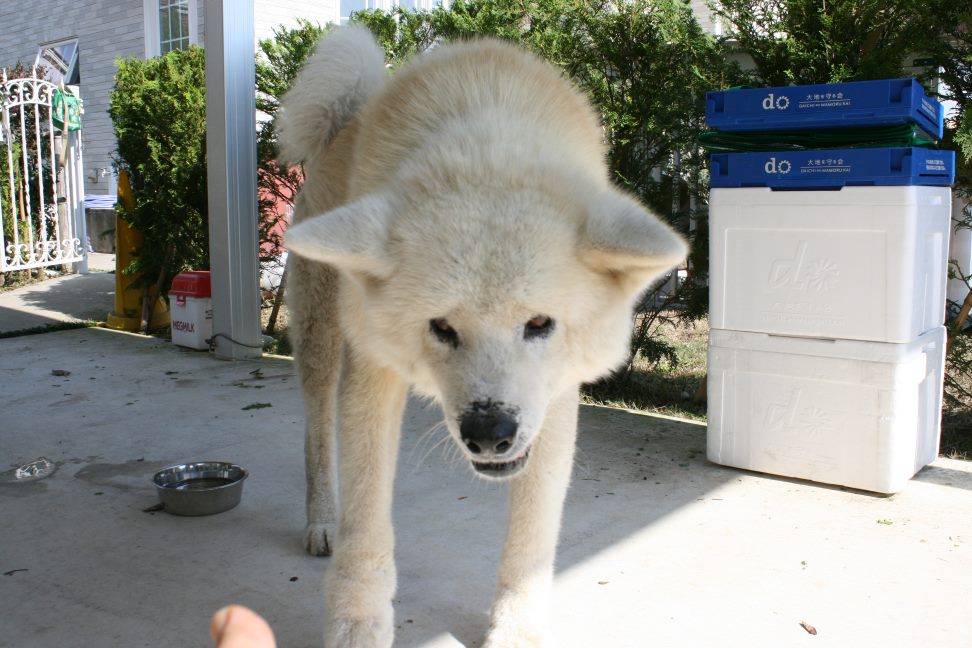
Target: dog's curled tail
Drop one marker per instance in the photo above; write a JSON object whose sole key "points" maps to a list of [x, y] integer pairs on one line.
{"points": [[346, 68]]}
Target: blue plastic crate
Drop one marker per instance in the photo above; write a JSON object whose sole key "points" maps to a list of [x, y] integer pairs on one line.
{"points": [[856, 104], [833, 168]]}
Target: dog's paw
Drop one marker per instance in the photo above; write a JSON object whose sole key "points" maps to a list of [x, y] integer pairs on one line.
{"points": [[515, 636], [316, 540], [360, 633], [519, 619], [358, 592]]}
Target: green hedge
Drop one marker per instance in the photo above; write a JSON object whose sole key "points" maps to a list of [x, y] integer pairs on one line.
{"points": [[158, 108]]}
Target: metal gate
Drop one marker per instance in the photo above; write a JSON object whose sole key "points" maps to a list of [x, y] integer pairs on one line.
{"points": [[41, 180]]}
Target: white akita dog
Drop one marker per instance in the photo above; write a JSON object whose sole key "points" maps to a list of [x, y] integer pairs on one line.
{"points": [[457, 233]]}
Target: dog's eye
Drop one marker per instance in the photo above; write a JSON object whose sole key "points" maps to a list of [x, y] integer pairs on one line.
{"points": [[443, 331], [539, 327]]}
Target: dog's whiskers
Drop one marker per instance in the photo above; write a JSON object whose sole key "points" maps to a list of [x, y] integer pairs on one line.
{"points": [[424, 440], [444, 439], [453, 456]]}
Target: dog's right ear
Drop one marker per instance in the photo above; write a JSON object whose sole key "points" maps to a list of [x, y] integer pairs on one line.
{"points": [[350, 238], [626, 242]]}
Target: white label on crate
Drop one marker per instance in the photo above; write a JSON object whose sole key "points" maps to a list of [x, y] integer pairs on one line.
{"points": [[824, 100], [817, 166]]}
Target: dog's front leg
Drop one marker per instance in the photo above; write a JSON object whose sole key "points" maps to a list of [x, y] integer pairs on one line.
{"points": [[536, 500], [361, 581]]}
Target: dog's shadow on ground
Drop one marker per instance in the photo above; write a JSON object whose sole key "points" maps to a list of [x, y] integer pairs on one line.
{"points": [[630, 471]]}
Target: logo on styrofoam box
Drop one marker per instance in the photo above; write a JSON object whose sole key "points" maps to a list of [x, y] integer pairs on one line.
{"points": [[773, 167], [783, 414], [819, 274], [772, 102], [188, 327]]}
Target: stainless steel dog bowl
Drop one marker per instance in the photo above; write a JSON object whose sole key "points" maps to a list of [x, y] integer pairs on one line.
{"points": [[200, 488]]}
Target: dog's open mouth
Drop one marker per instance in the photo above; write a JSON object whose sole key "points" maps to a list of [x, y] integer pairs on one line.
{"points": [[502, 469]]}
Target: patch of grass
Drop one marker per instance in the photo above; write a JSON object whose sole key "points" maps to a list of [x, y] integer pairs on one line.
{"points": [[956, 440], [665, 387], [21, 278], [281, 343], [49, 328]]}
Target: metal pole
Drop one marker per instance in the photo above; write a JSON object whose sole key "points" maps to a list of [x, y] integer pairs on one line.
{"points": [[231, 154]]}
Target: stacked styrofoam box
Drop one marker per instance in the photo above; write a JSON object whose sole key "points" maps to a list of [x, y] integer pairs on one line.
{"points": [[826, 350], [862, 263], [859, 414]]}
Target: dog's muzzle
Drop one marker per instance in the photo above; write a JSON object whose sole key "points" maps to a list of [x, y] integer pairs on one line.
{"points": [[502, 469], [488, 430]]}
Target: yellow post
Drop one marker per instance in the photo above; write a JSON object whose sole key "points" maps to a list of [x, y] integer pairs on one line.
{"points": [[128, 300]]}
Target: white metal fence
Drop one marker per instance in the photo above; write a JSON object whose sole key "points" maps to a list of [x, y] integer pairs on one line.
{"points": [[41, 180]]}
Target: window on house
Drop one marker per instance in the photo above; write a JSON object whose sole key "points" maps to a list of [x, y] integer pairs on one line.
{"points": [[350, 6], [59, 61], [173, 25]]}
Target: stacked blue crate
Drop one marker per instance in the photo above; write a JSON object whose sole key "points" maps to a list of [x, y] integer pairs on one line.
{"points": [[845, 106], [862, 104]]}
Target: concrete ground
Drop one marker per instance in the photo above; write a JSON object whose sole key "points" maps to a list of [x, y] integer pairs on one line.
{"points": [[64, 299], [658, 548]]}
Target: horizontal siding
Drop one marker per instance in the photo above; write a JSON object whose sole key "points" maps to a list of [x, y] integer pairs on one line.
{"points": [[110, 29], [704, 16], [106, 30]]}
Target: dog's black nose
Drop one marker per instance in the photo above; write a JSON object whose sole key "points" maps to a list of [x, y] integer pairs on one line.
{"points": [[487, 430]]}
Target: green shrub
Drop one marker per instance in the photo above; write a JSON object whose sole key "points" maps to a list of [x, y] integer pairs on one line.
{"points": [[158, 109], [278, 61]]}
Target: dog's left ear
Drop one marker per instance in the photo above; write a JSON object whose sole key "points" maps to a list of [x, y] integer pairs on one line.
{"points": [[623, 240], [351, 238]]}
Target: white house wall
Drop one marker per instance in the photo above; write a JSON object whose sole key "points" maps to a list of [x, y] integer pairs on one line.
{"points": [[273, 13]]}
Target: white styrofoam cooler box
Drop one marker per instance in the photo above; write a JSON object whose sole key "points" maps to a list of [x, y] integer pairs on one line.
{"points": [[862, 263], [860, 414]]}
